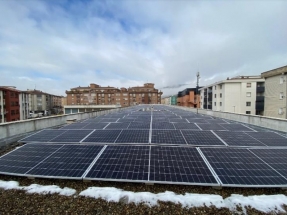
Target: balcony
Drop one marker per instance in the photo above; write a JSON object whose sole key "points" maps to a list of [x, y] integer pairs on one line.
{"points": [[260, 89], [204, 106], [209, 99], [259, 98], [209, 107], [259, 106]]}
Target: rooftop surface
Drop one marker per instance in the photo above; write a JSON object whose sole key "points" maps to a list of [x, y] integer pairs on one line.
{"points": [[168, 147]]}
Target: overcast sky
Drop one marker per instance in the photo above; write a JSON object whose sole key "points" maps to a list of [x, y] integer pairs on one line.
{"points": [[56, 45]]}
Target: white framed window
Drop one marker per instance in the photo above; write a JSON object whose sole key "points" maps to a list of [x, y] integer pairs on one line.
{"points": [[248, 94], [248, 103], [281, 80], [214, 87], [248, 85], [220, 95], [214, 103], [281, 95], [280, 111], [220, 103], [214, 95]]}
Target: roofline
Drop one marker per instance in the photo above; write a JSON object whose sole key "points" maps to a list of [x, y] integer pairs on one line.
{"points": [[259, 79], [274, 72]]}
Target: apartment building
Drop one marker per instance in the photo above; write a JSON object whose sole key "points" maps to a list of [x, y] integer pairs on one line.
{"points": [[241, 94], [97, 95], [169, 100], [188, 98], [165, 100], [24, 105], [41, 102], [9, 104], [275, 92]]}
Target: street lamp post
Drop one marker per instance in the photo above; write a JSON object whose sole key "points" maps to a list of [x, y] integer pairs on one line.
{"points": [[197, 86]]}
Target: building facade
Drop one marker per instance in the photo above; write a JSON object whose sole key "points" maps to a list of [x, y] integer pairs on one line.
{"points": [[9, 104], [97, 95], [275, 92], [242, 94], [24, 105], [188, 98], [45, 103]]}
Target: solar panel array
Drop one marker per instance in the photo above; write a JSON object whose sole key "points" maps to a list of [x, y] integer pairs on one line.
{"points": [[163, 145]]}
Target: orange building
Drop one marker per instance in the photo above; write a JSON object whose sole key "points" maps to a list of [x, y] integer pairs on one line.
{"points": [[188, 98], [97, 95]]}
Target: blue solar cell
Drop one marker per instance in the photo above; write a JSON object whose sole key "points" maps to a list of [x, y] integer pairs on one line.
{"points": [[103, 136], [179, 165], [70, 161], [122, 163]]}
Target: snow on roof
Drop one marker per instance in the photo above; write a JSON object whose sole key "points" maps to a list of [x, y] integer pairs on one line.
{"points": [[264, 203]]}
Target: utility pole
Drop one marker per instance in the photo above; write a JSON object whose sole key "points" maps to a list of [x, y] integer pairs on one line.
{"points": [[197, 86]]}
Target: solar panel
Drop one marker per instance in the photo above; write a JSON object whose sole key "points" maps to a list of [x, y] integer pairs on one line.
{"points": [[235, 127], [42, 136], [191, 120], [70, 161], [162, 125], [214, 127], [117, 126], [177, 120], [276, 158], [121, 163], [74, 126], [110, 120], [238, 139], [137, 125], [22, 159], [72, 136], [239, 167], [96, 125], [179, 165], [167, 137], [201, 138], [103, 136], [269, 138], [133, 136], [215, 121], [189, 126]]}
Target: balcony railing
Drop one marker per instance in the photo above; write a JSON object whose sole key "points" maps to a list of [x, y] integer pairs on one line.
{"points": [[260, 89], [259, 106], [259, 98]]}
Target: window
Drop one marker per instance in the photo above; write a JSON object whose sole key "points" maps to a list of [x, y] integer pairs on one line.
{"points": [[280, 111], [248, 94], [220, 95], [214, 87], [214, 95], [281, 95], [214, 103], [248, 103], [248, 112], [281, 80], [220, 103], [220, 86], [248, 84]]}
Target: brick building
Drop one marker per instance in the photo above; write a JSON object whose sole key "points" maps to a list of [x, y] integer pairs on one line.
{"points": [[9, 104], [188, 98], [97, 95]]}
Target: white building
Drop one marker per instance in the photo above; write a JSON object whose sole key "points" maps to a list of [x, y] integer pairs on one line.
{"points": [[24, 105], [276, 92], [242, 94]]}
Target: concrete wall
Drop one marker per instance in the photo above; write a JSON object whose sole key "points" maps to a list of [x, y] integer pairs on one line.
{"points": [[262, 121], [10, 130]]}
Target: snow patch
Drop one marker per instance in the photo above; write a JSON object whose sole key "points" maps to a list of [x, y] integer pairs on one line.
{"points": [[264, 203], [36, 188]]}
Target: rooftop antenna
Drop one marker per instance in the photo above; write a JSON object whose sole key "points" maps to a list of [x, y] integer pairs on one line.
{"points": [[197, 86]]}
